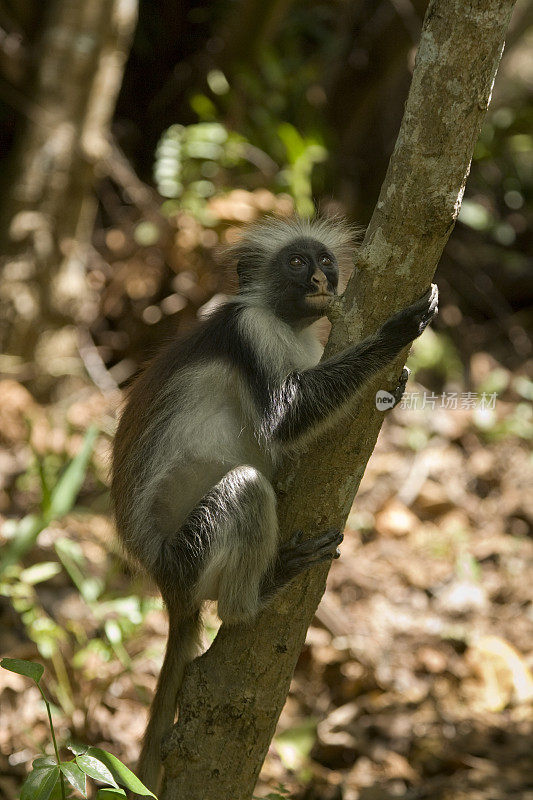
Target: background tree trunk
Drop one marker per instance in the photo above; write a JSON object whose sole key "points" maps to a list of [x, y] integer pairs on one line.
{"points": [[48, 213], [366, 93], [232, 696]]}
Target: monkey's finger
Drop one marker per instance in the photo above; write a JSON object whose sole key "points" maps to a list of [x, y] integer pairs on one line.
{"points": [[312, 559], [329, 556], [428, 302], [293, 543], [429, 295], [327, 546], [328, 541], [433, 303], [331, 535], [303, 557]]}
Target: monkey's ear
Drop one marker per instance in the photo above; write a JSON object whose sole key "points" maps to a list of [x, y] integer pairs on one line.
{"points": [[245, 272], [249, 258]]}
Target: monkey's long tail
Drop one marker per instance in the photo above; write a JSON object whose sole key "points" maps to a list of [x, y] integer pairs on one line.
{"points": [[182, 647]]}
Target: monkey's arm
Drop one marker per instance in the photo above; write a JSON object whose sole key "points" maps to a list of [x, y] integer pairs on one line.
{"points": [[306, 399]]}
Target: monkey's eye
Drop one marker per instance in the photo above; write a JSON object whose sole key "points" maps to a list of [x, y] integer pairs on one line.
{"points": [[326, 261], [296, 261]]}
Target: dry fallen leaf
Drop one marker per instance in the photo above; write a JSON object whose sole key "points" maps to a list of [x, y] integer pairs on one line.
{"points": [[16, 408], [503, 673], [396, 520], [433, 499]]}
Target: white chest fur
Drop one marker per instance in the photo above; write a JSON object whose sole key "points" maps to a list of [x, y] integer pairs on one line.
{"points": [[279, 347]]}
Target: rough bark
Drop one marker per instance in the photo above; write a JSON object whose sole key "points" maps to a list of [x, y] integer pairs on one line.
{"points": [[48, 212], [232, 695]]}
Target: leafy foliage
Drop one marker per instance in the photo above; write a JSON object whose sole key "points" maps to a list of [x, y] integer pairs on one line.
{"points": [[48, 773], [196, 162], [192, 162], [55, 503]]}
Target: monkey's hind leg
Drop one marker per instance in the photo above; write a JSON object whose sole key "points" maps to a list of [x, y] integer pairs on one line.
{"points": [[241, 509]]}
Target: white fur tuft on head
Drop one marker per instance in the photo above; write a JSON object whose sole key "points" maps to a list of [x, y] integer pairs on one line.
{"points": [[263, 239]]}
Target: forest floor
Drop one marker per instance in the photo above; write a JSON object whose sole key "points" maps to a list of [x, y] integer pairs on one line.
{"points": [[415, 678]]}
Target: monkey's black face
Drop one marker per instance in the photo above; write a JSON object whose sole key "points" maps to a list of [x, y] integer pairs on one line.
{"points": [[305, 275]]}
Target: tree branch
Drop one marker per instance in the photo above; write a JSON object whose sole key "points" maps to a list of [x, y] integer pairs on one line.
{"points": [[232, 695]]}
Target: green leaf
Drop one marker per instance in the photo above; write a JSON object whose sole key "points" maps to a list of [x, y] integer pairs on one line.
{"points": [[112, 631], [292, 140], [110, 794], [73, 560], [294, 744], [61, 791], [40, 783], [75, 776], [60, 502], [120, 772], [94, 768], [44, 761], [64, 494], [280, 794], [77, 749], [40, 572], [23, 539], [146, 233], [30, 669], [45, 488], [475, 215]]}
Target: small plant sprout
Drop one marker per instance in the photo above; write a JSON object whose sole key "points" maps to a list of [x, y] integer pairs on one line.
{"points": [[47, 778]]}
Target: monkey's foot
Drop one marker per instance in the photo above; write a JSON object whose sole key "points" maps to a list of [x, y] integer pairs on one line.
{"points": [[400, 388], [299, 554], [296, 556]]}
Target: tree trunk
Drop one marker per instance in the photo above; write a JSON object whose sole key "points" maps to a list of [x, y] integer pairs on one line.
{"points": [[232, 695], [48, 212]]}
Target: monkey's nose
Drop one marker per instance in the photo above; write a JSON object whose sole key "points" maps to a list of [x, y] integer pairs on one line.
{"points": [[319, 280]]}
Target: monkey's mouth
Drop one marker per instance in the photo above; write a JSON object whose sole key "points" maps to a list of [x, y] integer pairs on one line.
{"points": [[320, 299]]}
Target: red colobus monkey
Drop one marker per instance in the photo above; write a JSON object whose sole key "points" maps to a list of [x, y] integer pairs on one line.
{"points": [[207, 422]]}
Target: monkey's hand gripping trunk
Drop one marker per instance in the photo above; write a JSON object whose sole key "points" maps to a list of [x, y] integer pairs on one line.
{"points": [[306, 399]]}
